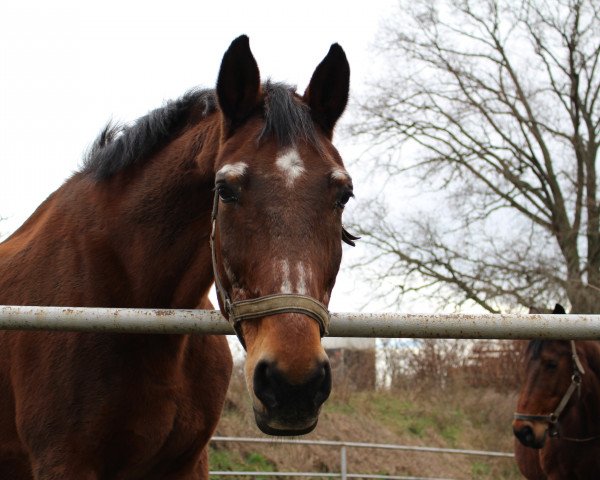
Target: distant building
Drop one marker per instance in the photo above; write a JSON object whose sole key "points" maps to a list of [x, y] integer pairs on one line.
{"points": [[353, 362]]}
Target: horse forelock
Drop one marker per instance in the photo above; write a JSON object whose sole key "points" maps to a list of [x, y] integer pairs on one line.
{"points": [[536, 347], [286, 118]]}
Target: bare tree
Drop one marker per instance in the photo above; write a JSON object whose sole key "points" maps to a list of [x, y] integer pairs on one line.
{"points": [[494, 105]]}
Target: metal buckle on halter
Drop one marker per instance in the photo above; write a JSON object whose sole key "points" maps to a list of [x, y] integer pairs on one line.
{"points": [[553, 425], [576, 379], [228, 307]]}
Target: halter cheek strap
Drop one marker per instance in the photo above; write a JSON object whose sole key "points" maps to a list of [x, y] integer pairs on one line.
{"points": [[236, 312]]}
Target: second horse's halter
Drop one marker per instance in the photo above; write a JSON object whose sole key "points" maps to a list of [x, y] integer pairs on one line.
{"points": [[552, 418]]}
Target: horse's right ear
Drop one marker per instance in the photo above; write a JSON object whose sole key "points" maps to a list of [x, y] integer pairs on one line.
{"points": [[238, 85], [558, 308]]}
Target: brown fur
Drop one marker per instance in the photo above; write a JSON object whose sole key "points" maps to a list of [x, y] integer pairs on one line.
{"points": [[121, 406], [528, 461]]}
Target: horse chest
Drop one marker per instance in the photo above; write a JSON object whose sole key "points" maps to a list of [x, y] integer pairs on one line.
{"points": [[127, 416], [149, 445], [173, 427]]}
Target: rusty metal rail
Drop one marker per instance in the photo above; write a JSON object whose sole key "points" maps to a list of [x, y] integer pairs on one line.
{"points": [[383, 325]]}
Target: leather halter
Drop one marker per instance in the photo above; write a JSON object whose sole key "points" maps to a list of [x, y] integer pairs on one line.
{"points": [[552, 418], [236, 312]]}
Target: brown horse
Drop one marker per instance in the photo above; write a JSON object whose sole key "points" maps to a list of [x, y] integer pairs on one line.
{"points": [[558, 421], [133, 229]]}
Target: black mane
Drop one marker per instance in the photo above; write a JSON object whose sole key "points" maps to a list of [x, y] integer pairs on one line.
{"points": [[286, 117], [118, 146]]}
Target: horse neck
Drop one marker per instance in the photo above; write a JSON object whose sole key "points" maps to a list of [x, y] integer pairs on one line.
{"points": [[138, 238], [160, 222]]}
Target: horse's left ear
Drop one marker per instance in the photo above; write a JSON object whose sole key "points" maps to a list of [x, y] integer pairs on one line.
{"points": [[327, 92], [238, 85]]}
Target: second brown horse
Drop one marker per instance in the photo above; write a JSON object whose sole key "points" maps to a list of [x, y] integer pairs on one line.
{"points": [[558, 421]]}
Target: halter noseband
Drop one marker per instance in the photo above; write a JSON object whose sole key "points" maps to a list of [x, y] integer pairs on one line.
{"points": [[552, 418], [236, 312]]}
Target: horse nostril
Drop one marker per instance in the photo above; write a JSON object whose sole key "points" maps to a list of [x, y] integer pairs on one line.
{"points": [[274, 391], [265, 384], [525, 435], [528, 435], [324, 386]]}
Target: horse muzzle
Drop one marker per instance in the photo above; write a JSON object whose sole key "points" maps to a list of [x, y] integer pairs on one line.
{"points": [[530, 434], [282, 408]]}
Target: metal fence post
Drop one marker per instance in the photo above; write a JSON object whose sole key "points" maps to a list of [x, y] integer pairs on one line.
{"points": [[343, 463]]}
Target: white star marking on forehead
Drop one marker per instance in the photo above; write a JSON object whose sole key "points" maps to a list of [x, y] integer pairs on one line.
{"points": [[290, 163]]}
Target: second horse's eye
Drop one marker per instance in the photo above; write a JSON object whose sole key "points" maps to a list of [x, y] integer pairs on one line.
{"points": [[551, 365], [226, 194]]}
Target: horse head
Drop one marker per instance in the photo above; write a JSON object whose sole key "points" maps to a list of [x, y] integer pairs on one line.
{"points": [[554, 370], [280, 189]]}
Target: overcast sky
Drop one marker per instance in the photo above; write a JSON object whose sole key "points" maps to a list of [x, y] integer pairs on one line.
{"points": [[67, 67]]}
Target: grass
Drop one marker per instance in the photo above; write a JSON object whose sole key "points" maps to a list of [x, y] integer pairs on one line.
{"points": [[398, 414], [342, 407], [450, 433], [480, 469], [407, 416], [258, 463], [222, 459], [226, 460]]}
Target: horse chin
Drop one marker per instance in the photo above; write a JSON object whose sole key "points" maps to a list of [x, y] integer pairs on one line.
{"points": [[279, 429]]}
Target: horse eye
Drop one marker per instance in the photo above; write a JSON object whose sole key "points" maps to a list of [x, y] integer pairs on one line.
{"points": [[226, 194], [344, 198], [551, 365]]}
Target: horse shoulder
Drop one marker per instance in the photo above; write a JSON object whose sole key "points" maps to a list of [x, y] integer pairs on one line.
{"points": [[108, 391]]}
